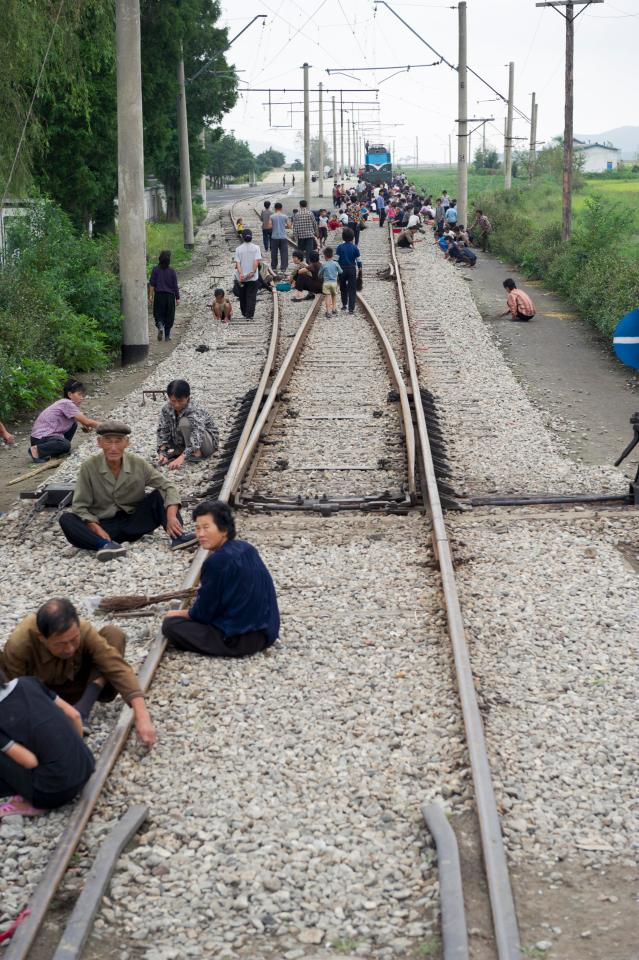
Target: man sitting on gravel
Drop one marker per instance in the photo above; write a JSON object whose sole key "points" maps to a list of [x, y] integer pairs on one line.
{"points": [[520, 306], [76, 661], [110, 503], [235, 612], [186, 432]]}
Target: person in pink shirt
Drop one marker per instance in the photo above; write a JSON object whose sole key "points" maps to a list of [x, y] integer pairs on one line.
{"points": [[520, 306], [54, 428]]}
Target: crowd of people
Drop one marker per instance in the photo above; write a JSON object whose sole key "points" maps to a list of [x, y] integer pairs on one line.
{"points": [[56, 666]]}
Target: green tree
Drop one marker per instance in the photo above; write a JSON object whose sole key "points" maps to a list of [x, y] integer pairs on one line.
{"points": [[227, 157], [269, 159], [168, 28]]}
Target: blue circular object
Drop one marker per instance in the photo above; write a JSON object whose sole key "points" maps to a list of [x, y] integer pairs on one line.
{"points": [[626, 339]]}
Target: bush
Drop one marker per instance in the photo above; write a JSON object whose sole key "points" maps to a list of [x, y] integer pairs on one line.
{"points": [[59, 305], [591, 270], [28, 385]]}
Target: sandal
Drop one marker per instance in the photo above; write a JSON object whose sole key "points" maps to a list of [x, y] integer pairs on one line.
{"points": [[38, 459], [18, 806]]}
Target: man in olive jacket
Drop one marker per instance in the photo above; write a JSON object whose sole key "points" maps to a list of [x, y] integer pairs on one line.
{"points": [[110, 503]]}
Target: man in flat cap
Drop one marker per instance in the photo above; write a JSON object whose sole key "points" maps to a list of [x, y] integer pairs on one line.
{"points": [[110, 503]]}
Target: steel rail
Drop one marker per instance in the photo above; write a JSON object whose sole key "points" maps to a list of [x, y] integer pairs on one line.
{"points": [[25, 935], [500, 891], [451, 893]]}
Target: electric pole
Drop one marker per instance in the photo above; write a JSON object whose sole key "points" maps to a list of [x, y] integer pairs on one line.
{"points": [[416, 152], [334, 143], [450, 152], [508, 142], [321, 143], [131, 229], [570, 17], [307, 140], [202, 139], [348, 144], [341, 137], [532, 150], [185, 162], [462, 132]]}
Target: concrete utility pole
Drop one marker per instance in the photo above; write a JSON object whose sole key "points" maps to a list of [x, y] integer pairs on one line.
{"points": [[348, 144], [508, 142], [532, 149], [185, 162], [320, 192], [307, 140], [569, 16], [416, 151], [131, 230], [450, 151], [202, 138], [341, 137], [334, 143], [462, 132]]}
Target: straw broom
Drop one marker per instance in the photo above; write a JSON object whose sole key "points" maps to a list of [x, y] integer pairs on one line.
{"points": [[135, 602]]}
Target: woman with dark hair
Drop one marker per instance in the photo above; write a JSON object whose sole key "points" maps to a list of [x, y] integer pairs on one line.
{"points": [[307, 278], [55, 427], [44, 762], [235, 612], [164, 294]]}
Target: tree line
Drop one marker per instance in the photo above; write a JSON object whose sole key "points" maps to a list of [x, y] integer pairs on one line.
{"points": [[69, 151]]}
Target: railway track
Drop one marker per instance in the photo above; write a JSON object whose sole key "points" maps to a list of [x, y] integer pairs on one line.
{"points": [[320, 384]]}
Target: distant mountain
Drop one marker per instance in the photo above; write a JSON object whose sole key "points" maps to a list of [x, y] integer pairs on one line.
{"points": [[626, 138]]}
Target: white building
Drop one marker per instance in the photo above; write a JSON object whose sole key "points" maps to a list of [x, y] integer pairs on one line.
{"points": [[598, 157]]}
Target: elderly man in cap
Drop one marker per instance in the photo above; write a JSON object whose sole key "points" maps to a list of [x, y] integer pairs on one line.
{"points": [[76, 661], [110, 503], [247, 264]]}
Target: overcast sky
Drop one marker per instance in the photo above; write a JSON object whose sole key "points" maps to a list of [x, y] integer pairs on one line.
{"points": [[423, 103]]}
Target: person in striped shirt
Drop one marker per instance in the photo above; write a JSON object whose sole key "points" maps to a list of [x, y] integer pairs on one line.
{"points": [[520, 306]]}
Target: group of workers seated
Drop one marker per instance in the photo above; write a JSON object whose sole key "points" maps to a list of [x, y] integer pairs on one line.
{"points": [[55, 665]]}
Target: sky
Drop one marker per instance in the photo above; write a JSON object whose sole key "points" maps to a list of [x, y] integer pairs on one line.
{"points": [[423, 102]]}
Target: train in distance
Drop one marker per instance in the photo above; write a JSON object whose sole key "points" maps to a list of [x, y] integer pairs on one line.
{"points": [[377, 164]]}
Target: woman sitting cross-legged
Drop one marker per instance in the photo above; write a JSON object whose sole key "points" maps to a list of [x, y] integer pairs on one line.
{"points": [[44, 762], [235, 612]]}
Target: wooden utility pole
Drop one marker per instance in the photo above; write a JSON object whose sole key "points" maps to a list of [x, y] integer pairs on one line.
{"points": [[462, 120], [320, 191], [569, 16], [307, 140], [532, 149], [508, 141]]}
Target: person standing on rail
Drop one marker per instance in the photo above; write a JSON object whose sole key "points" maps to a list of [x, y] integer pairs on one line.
{"points": [[235, 612], [348, 257], [520, 306], [247, 264], [265, 217], [79, 663], [305, 229], [164, 294], [279, 240]]}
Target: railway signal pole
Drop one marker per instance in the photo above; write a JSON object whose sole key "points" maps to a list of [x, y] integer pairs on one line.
{"points": [[131, 229], [569, 16]]}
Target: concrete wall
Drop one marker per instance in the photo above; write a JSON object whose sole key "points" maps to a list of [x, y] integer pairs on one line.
{"points": [[598, 158]]}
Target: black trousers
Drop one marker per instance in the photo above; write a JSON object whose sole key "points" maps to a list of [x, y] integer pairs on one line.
{"points": [[266, 239], [149, 514], [207, 640], [306, 245], [356, 228], [281, 247], [382, 216], [164, 311], [522, 316], [54, 446], [248, 298], [347, 286], [323, 234], [17, 780]]}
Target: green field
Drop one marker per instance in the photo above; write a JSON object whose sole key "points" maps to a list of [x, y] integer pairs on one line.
{"points": [[166, 236]]}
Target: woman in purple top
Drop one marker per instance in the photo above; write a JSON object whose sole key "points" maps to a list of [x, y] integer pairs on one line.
{"points": [[164, 294], [54, 428]]}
